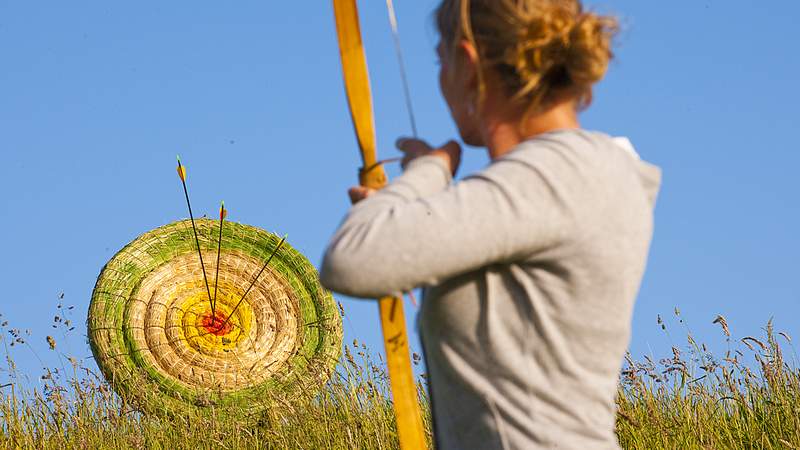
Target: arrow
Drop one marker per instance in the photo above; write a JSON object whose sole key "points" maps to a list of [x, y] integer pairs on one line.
{"points": [[182, 175], [254, 281], [222, 214]]}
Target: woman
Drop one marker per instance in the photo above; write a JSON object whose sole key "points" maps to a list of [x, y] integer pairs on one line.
{"points": [[530, 266]]}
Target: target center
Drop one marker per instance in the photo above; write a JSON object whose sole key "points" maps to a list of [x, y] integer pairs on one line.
{"points": [[218, 324]]}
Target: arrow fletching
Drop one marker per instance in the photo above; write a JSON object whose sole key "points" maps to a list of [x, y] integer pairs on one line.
{"points": [[181, 170], [223, 213]]}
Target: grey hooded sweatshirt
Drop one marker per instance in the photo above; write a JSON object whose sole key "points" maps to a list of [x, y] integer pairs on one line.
{"points": [[530, 267]]}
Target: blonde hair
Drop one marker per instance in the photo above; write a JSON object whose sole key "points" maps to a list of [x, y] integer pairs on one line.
{"points": [[539, 50]]}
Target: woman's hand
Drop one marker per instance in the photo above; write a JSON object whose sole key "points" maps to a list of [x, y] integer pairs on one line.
{"points": [[413, 148], [359, 193]]}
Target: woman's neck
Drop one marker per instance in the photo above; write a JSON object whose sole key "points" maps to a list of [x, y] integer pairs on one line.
{"points": [[503, 134]]}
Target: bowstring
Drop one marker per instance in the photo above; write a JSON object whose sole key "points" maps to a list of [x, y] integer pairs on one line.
{"points": [[398, 48], [401, 61]]}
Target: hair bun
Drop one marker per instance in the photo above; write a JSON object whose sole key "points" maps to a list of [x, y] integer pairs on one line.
{"points": [[538, 49], [542, 46], [590, 48]]}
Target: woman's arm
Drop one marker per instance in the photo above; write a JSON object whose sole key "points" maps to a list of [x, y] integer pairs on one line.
{"points": [[422, 229]]}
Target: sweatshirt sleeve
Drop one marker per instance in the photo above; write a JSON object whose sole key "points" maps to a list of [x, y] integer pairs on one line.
{"points": [[422, 228]]}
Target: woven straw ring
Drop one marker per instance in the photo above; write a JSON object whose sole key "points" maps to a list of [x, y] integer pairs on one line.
{"points": [[154, 338]]}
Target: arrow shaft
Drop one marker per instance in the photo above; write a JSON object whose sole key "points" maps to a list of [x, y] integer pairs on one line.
{"points": [[253, 282], [219, 251], [196, 239]]}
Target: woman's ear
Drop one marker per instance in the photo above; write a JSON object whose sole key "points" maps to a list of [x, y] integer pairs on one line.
{"points": [[470, 65]]}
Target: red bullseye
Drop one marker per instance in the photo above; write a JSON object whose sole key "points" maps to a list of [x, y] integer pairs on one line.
{"points": [[216, 324]]}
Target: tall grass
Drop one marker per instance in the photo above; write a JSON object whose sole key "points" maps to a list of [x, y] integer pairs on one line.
{"points": [[71, 406], [748, 399]]}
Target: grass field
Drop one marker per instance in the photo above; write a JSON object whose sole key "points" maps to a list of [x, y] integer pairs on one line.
{"points": [[747, 398]]}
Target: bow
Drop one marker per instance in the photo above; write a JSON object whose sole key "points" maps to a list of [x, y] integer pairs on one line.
{"points": [[356, 80]]}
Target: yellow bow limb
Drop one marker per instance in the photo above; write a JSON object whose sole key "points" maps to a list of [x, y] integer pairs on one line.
{"points": [[356, 80]]}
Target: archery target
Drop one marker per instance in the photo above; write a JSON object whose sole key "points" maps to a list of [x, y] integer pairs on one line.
{"points": [[157, 341]]}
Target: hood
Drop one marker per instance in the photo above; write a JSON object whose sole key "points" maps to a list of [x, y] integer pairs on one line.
{"points": [[649, 174]]}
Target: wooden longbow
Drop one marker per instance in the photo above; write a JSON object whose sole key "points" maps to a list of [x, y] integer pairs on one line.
{"points": [[395, 339]]}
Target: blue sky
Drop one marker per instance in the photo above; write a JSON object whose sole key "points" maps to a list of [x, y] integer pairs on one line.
{"points": [[96, 99]]}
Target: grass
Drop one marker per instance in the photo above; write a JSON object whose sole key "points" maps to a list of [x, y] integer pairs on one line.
{"points": [[748, 399], [73, 407]]}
